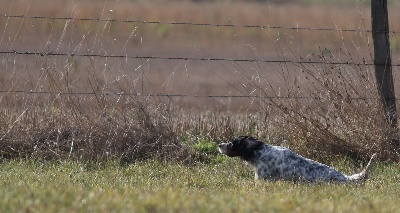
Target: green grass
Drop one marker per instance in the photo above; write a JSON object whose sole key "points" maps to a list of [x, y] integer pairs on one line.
{"points": [[27, 186]]}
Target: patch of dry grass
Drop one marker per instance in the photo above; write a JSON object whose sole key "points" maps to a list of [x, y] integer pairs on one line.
{"points": [[129, 133]]}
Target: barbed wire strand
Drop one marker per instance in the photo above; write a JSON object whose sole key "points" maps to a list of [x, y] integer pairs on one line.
{"points": [[192, 58], [169, 95], [192, 24]]}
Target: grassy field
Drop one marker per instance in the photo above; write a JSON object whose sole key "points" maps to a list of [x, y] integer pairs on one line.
{"points": [[89, 133], [151, 186]]}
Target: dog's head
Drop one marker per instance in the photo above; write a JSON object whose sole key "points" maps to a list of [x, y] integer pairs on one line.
{"points": [[242, 146]]}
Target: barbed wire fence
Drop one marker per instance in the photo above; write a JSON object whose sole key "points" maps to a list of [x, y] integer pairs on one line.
{"points": [[172, 58], [313, 113]]}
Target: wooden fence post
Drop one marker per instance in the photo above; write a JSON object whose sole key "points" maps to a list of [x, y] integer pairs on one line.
{"points": [[383, 62]]}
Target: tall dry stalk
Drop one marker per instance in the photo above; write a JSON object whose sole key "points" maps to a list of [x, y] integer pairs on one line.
{"points": [[330, 109]]}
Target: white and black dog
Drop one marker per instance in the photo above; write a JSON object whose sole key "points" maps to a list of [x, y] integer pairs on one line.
{"points": [[280, 163]]}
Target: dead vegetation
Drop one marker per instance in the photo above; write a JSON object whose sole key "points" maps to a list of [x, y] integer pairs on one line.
{"points": [[330, 110], [102, 108], [128, 133]]}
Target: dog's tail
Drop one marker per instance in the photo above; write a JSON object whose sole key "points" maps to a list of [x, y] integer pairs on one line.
{"points": [[363, 176]]}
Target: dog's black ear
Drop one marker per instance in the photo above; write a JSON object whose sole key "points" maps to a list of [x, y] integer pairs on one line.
{"points": [[246, 146], [240, 141], [252, 144], [243, 138]]}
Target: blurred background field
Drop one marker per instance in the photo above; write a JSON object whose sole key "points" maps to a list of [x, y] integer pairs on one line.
{"points": [[187, 77]]}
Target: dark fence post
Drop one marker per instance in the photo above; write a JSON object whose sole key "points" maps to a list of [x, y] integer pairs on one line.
{"points": [[383, 62]]}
